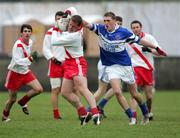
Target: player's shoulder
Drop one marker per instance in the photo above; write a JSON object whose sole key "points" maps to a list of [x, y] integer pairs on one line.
{"points": [[49, 31], [51, 28], [149, 36], [100, 26], [123, 29], [18, 43]]}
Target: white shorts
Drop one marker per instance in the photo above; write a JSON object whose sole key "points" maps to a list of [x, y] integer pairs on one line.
{"points": [[55, 82], [125, 73], [102, 75]]}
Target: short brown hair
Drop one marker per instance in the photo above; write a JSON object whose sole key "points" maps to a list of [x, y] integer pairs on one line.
{"points": [[28, 26], [110, 14], [77, 19], [118, 18], [136, 21]]}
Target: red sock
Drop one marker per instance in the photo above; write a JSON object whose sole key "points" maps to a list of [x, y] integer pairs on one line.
{"points": [[56, 113], [94, 111], [135, 115], [6, 113], [24, 100], [82, 111]]}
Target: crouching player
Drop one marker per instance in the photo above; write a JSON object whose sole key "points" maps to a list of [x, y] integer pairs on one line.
{"points": [[19, 73]]}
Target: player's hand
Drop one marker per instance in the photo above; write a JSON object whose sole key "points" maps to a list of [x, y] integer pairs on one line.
{"points": [[160, 51], [56, 61], [65, 15], [146, 49], [62, 24], [34, 56]]}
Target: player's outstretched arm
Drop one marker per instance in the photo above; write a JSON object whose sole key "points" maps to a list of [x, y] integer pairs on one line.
{"points": [[150, 45], [87, 25]]}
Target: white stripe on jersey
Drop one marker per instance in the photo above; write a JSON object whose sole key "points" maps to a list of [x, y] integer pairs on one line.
{"points": [[7, 78], [79, 67], [112, 46]]}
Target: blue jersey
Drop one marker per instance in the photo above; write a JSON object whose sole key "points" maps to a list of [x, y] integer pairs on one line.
{"points": [[112, 44]]}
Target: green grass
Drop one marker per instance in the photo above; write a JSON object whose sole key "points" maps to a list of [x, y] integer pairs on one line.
{"points": [[40, 124]]}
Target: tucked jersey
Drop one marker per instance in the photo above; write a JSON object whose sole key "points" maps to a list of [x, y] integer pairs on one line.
{"points": [[112, 44], [136, 59], [50, 51], [71, 41], [20, 53]]}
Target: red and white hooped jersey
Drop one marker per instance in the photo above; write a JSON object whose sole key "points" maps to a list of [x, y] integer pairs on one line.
{"points": [[71, 41], [20, 53], [138, 60], [50, 51]]}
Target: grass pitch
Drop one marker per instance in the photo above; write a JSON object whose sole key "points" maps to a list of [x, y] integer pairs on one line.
{"points": [[40, 124]]}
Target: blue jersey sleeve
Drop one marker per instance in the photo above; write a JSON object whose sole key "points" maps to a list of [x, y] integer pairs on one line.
{"points": [[131, 38], [96, 28]]}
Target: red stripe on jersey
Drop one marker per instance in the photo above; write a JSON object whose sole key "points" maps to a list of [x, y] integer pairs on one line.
{"points": [[24, 52], [142, 35], [68, 54], [56, 29], [142, 56], [19, 45], [26, 43], [49, 33]]}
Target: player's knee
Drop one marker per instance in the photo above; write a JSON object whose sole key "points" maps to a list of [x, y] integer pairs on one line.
{"points": [[134, 95], [149, 99], [117, 92], [56, 91], [64, 94], [39, 90]]}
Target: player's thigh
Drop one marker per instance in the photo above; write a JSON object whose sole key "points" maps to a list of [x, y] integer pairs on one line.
{"points": [[116, 85], [80, 82], [35, 84], [67, 86]]}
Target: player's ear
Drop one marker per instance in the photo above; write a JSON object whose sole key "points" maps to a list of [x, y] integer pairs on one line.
{"points": [[80, 27]]}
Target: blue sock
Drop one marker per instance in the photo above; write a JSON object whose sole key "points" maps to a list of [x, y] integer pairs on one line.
{"points": [[129, 113], [102, 103], [144, 109], [88, 109]]}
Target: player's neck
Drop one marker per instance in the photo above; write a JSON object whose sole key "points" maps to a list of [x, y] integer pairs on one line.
{"points": [[24, 40]]}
